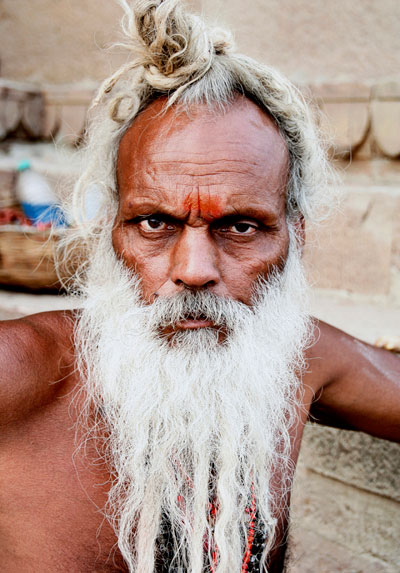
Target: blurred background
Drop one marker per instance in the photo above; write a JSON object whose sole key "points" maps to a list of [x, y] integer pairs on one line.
{"points": [[345, 56]]}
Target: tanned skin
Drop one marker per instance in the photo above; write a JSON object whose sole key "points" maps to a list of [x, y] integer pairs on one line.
{"points": [[202, 206]]}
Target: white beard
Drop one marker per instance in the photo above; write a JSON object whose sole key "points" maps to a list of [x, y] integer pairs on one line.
{"points": [[169, 410]]}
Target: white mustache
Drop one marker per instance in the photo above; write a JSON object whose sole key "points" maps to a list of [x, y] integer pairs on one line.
{"points": [[222, 312]]}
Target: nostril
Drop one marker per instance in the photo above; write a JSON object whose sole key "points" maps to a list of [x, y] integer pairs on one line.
{"points": [[193, 287]]}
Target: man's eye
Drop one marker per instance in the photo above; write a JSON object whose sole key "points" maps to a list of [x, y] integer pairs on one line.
{"points": [[154, 224], [240, 228]]}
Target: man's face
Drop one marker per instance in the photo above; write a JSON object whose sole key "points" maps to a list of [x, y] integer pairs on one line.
{"points": [[202, 201]]}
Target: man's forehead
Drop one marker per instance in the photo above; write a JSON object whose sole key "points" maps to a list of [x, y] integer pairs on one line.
{"points": [[242, 137]]}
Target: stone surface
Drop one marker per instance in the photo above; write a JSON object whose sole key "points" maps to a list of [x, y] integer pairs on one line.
{"points": [[51, 120], [354, 458], [353, 250], [65, 41], [378, 171], [312, 553], [17, 304], [32, 115], [386, 172], [386, 90], [385, 117], [357, 315], [344, 91], [36, 112], [11, 114], [366, 524], [347, 123], [79, 93], [345, 114], [65, 109], [21, 109]]}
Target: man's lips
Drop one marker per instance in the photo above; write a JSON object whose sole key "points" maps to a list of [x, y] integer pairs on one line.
{"points": [[192, 323]]}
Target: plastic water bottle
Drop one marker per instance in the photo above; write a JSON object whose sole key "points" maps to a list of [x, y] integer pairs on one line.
{"points": [[37, 198]]}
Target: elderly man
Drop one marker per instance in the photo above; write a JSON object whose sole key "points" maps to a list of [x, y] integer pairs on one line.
{"points": [[158, 427]]}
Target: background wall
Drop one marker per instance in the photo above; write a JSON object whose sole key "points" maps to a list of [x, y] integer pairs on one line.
{"points": [[345, 54], [60, 41]]}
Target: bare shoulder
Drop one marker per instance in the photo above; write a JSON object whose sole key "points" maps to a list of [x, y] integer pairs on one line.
{"points": [[36, 357], [356, 385], [325, 356]]}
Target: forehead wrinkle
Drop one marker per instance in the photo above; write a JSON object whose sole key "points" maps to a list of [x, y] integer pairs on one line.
{"points": [[274, 164], [237, 184], [204, 159], [191, 170], [243, 149], [205, 163], [191, 165], [153, 199], [162, 193]]}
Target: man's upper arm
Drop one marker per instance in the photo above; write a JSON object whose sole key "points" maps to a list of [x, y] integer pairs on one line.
{"points": [[360, 384], [29, 364]]}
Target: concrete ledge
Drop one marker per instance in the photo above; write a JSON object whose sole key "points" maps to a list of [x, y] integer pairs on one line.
{"points": [[345, 509], [354, 458]]}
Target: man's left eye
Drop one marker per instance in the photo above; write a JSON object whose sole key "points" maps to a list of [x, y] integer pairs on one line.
{"points": [[241, 228]]}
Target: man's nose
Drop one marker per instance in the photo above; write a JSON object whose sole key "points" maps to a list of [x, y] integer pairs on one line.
{"points": [[195, 261]]}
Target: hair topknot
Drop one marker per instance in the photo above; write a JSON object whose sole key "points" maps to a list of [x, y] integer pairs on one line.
{"points": [[172, 45]]}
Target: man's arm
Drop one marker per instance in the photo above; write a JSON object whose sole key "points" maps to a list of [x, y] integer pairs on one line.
{"points": [[34, 355], [357, 386]]}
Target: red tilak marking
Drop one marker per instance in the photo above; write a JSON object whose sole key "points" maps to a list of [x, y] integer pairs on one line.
{"points": [[208, 207], [211, 207], [188, 202]]}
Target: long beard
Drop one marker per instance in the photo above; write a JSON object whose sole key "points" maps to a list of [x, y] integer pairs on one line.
{"points": [[192, 420]]}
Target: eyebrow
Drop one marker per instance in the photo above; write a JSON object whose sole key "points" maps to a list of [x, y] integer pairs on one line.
{"points": [[140, 210]]}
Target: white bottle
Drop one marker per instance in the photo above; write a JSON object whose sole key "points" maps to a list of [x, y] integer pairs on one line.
{"points": [[36, 197]]}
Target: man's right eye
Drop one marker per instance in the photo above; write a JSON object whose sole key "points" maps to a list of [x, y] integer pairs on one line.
{"points": [[154, 224]]}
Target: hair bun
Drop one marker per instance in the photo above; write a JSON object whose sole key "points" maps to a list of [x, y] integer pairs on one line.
{"points": [[173, 45]]}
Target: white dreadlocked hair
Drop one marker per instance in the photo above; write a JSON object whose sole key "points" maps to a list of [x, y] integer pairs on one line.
{"points": [[176, 55]]}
